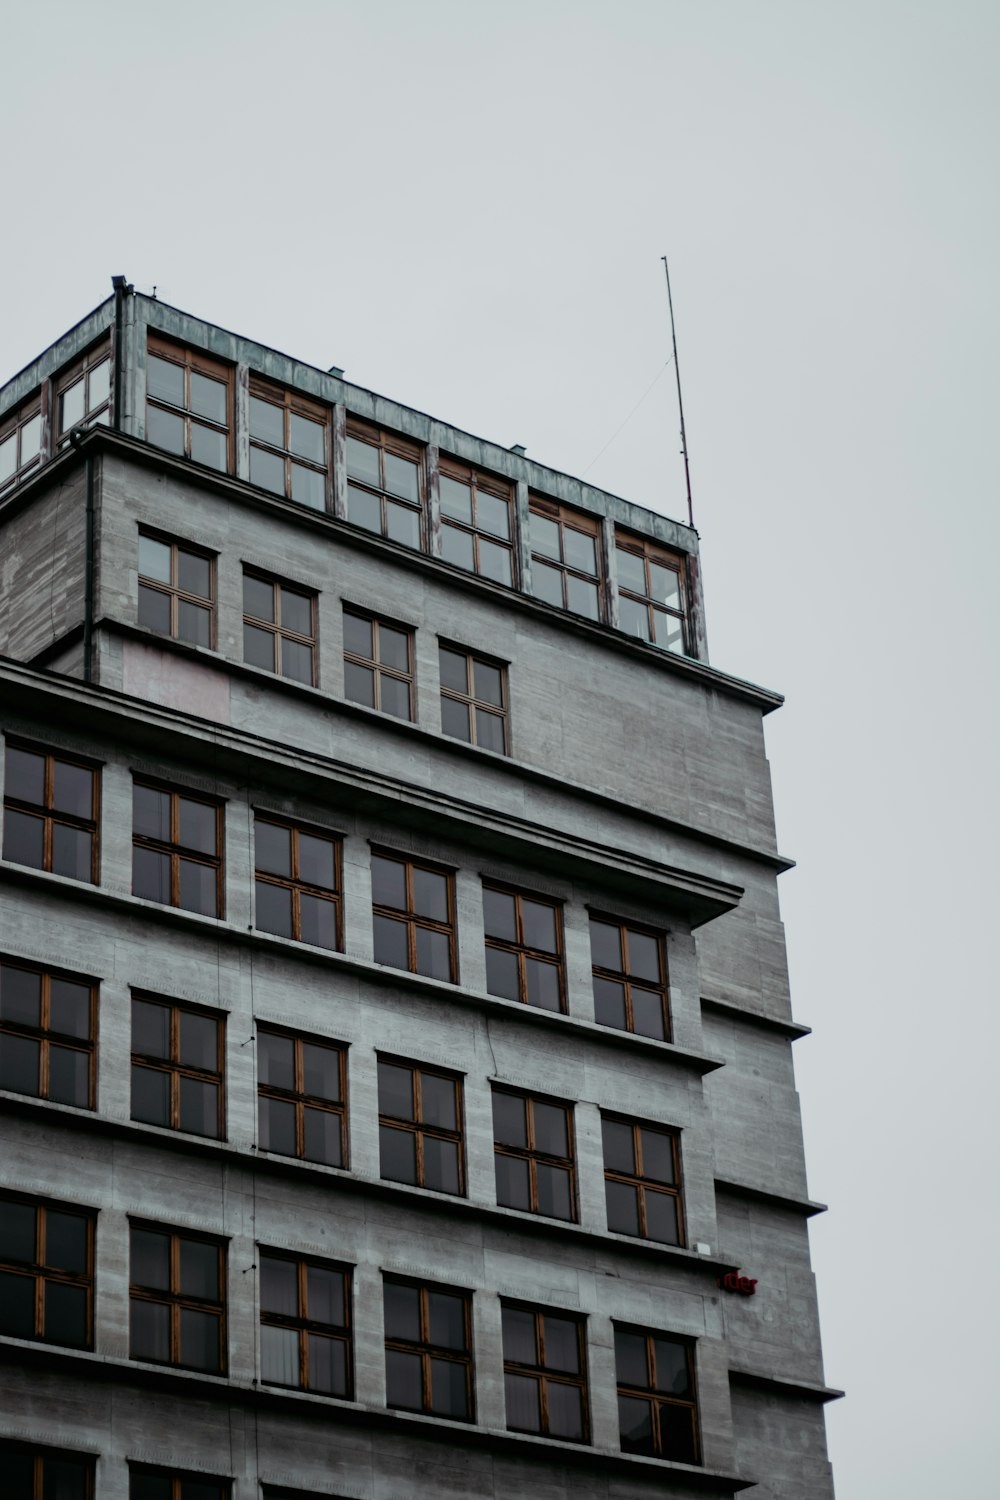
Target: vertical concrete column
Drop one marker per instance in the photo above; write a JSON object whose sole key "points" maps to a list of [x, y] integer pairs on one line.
{"points": [[114, 1033], [241, 422], [579, 970], [685, 1002], [357, 898], [603, 1381], [433, 481], [243, 1277], [471, 935], [609, 563], [111, 1277], [369, 1336], [522, 533], [116, 828], [487, 1343], [329, 632], [134, 373], [339, 492], [229, 604], [478, 1099], [241, 1052], [590, 1167], [237, 822], [362, 1065]]}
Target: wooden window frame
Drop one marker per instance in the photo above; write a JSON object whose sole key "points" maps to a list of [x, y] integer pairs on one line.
{"points": [[568, 519], [193, 361], [176, 851], [418, 1129], [176, 1070], [279, 631], [429, 1351], [291, 403], [475, 704], [303, 1325], [534, 1156], [386, 442], [298, 1096], [499, 489], [178, 1480], [44, 1034], [656, 1399], [644, 1184], [13, 426], [376, 667], [546, 1375], [41, 1274], [652, 552], [175, 1300], [626, 979], [39, 1454], [173, 590], [297, 886], [82, 369], [410, 916], [523, 950], [49, 815]]}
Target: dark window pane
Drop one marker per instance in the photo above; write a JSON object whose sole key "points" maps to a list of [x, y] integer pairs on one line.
{"points": [[66, 1314], [272, 848], [630, 1358], [258, 647], [582, 597], [579, 550], [17, 1305], [539, 925], [306, 437], [494, 562], [394, 648], [17, 1231], [327, 1365], [322, 1137], [154, 610], [25, 776], [72, 789], [433, 954], [446, 1314], [198, 826], [509, 1120], [398, 1154], [430, 894], [279, 1286], [276, 1060], [358, 636], [363, 461], [154, 559], [565, 1411], [23, 839], [297, 661], [318, 921], [555, 1198], [609, 1004], [19, 1060], [403, 1380], [267, 421], [635, 1420], [151, 875], [677, 1434], [437, 1102], [150, 1029], [198, 888], [267, 470], [542, 984], [388, 882], [455, 719], [456, 498], [402, 1311], [151, 1259], [199, 1041], [643, 956], [69, 1076], [619, 1151], [519, 1344], [456, 546], [546, 582], [623, 1208], [279, 1355], [258, 598], [395, 1091], [441, 1165], [65, 1241], [499, 914], [657, 1155], [363, 508], [194, 623], [513, 1186], [69, 1008], [395, 696], [208, 397], [317, 862], [149, 1486], [150, 812], [402, 524], [562, 1344], [487, 682], [71, 852], [605, 945], [199, 1339], [544, 536], [390, 942], [296, 611], [401, 477], [672, 1368], [199, 1107], [308, 487], [521, 1394], [502, 974], [550, 1129], [64, 1479], [492, 514], [165, 429], [320, 1071], [454, 670], [199, 1269], [647, 1014], [490, 731], [359, 684], [449, 1390], [274, 908], [276, 1118], [194, 573], [325, 1295], [150, 1331], [21, 995]]}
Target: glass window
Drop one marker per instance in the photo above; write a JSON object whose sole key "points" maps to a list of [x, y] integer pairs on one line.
{"points": [[476, 527], [302, 1097], [20, 444], [565, 558], [166, 1484], [524, 948], [177, 1067], [177, 1297], [474, 699], [384, 483], [420, 1127], [413, 914], [642, 1180], [651, 584], [378, 664], [657, 1411], [428, 1349], [33, 1473], [51, 812], [534, 1154], [176, 590], [545, 1373], [289, 443], [279, 628], [176, 842], [188, 403], [47, 1024], [297, 883], [630, 978], [83, 393], [46, 1272], [305, 1336]]}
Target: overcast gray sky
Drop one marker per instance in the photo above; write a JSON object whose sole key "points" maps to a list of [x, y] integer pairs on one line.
{"points": [[464, 203]]}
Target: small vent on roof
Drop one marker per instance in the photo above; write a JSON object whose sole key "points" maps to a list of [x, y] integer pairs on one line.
{"points": [[519, 449], [336, 371]]}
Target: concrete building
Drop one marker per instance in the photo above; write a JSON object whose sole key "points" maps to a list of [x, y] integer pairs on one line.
{"points": [[395, 1036]]}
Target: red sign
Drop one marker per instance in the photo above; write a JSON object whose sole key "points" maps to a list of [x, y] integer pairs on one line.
{"points": [[734, 1282]]}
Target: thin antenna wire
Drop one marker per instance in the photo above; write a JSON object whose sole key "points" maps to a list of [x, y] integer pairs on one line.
{"points": [[627, 420], [680, 399]]}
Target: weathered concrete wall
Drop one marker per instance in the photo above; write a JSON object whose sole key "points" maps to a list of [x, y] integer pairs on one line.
{"points": [[42, 562]]}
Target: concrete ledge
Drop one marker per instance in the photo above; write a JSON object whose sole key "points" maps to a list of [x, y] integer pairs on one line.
{"points": [[736, 1012], [779, 1385], [807, 1207]]}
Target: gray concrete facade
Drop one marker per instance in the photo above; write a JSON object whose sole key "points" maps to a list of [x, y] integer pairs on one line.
{"points": [[636, 786]]}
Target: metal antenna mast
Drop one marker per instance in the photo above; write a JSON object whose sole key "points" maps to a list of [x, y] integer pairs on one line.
{"points": [[680, 399]]}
